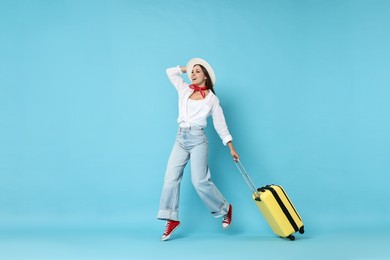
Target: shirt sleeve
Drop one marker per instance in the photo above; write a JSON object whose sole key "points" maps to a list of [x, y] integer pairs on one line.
{"points": [[220, 123], [175, 76]]}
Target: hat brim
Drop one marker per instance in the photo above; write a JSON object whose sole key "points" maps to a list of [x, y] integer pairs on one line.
{"points": [[191, 63]]}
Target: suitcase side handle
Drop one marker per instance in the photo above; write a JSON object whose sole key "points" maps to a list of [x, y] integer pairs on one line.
{"points": [[247, 179]]}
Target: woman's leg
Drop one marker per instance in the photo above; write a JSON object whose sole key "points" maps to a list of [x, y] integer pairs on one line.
{"points": [[201, 179], [169, 201]]}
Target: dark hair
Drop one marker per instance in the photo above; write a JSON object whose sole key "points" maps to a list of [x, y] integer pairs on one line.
{"points": [[209, 84]]}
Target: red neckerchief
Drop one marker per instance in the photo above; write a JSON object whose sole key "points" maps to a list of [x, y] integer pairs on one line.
{"points": [[200, 89]]}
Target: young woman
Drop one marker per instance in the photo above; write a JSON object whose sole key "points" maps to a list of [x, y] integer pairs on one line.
{"points": [[196, 102]]}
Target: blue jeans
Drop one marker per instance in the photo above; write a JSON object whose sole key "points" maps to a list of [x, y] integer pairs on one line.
{"points": [[191, 143]]}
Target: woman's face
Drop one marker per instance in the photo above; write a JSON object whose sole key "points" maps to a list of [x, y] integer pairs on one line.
{"points": [[197, 76]]}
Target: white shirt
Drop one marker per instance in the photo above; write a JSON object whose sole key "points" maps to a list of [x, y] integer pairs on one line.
{"points": [[195, 112]]}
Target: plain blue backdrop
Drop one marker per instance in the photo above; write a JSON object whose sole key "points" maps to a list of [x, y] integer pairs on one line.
{"points": [[88, 116]]}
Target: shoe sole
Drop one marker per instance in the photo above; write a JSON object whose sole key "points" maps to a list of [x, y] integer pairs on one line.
{"points": [[167, 237], [224, 228]]}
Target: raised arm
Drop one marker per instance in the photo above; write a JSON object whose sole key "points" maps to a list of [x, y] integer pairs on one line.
{"points": [[175, 76]]}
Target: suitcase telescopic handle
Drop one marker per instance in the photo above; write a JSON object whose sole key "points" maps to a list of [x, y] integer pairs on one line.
{"points": [[246, 177]]}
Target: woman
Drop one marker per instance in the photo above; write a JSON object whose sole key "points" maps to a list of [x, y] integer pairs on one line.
{"points": [[196, 102]]}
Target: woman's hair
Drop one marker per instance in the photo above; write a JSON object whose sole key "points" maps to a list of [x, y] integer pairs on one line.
{"points": [[209, 83]]}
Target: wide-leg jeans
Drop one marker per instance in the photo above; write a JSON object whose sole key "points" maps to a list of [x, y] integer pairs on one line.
{"points": [[191, 144]]}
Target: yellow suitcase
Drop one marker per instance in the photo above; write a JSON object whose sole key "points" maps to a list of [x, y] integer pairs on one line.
{"points": [[276, 207]]}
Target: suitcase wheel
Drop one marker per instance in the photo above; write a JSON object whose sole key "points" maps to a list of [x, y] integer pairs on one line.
{"points": [[291, 237], [301, 230]]}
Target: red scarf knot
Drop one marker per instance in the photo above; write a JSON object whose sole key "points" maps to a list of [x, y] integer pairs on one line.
{"points": [[200, 89]]}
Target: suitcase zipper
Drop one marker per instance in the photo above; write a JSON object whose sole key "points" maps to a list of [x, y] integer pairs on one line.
{"points": [[289, 201]]}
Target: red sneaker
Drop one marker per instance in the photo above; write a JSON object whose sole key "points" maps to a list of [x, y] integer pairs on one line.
{"points": [[170, 227], [227, 219]]}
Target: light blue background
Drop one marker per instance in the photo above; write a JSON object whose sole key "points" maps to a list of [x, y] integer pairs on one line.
{"points": [[88, 117]]}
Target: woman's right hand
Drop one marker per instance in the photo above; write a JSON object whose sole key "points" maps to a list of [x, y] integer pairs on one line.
{"points": [[183, 69], [233, 152]]}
